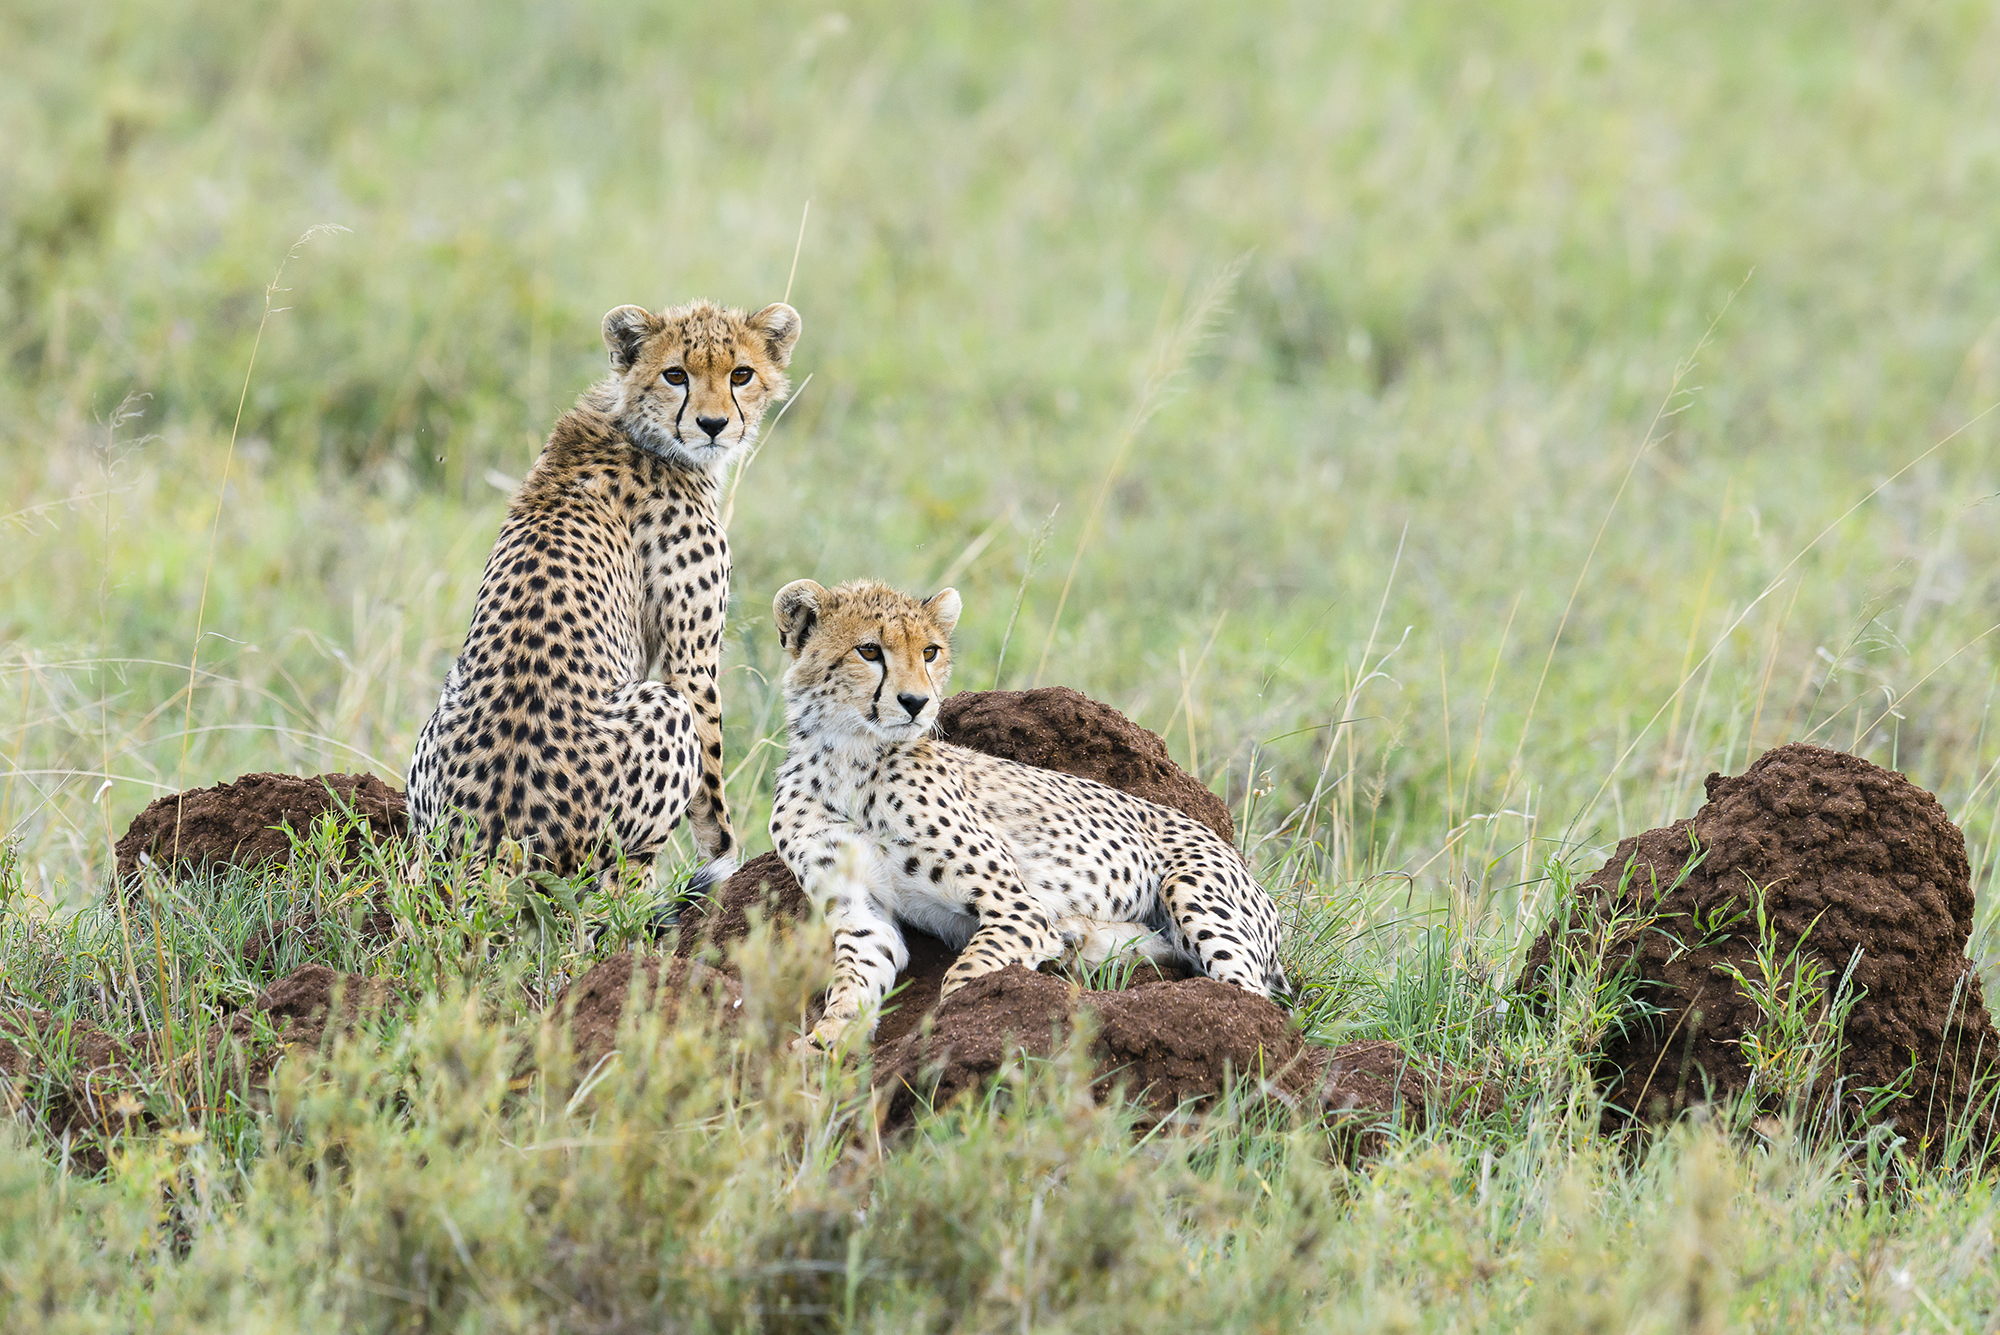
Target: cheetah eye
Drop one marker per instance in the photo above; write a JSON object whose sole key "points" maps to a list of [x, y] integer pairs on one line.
{"points": [[674, 375], [740, 376], [871, 652], [930, 653]]}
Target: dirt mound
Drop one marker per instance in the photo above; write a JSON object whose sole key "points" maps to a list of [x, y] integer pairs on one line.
{"points": [[306, 1003], [1171, 1043], [1847, 856], [1057, 728], [88, 1085], [764, 883], [264, 945], [1362, 1087], [974, 1033], [81, 1078], [237, 824], [594, 1003]]}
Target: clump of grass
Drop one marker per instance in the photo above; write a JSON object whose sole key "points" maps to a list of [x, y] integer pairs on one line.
{"points": [[710, 1177], [457, 1166], [1794, 1050]]}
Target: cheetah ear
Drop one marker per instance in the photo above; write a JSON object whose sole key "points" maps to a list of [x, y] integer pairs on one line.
{"points": [[944, 608], [796, 609], [780, 325], [625, 328]]}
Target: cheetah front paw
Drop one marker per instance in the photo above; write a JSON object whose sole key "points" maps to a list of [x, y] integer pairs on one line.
{"points": [[833, 1030], [965, 969]]}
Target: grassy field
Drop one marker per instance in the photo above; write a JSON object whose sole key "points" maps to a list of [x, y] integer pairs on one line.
{"points": [[1457, 429]]}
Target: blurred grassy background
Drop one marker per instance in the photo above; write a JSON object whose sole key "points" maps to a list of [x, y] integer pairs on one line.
{"points": [[1477, 245]]}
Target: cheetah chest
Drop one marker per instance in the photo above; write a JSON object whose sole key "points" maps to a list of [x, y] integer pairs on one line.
{"points": [[946, 842]]}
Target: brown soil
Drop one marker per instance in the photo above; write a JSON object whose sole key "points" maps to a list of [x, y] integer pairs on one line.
{"points": [[238, 824], [920, 981], [1362, 1087], [304, 1007], [1169, 1042], [306, 1003], [1847, 855], [87, 1084], [74, 1073], [763, 884], [1172, 1044], [1057, 728], [594, 1003], [373, 922]]}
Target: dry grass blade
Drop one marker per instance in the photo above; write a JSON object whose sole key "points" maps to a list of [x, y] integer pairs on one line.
{"points": [[1169, 359]]}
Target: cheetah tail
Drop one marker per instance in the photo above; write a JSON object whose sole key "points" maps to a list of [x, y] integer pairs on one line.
{"points": [[1280, 986], [712, 874]]}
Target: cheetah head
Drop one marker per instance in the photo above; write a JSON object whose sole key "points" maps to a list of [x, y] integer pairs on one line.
{"points": [[866, 659], [691, 384]]}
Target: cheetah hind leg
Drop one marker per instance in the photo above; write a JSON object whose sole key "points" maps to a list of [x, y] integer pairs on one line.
{"points": [[1016, 932], [1090, 943], [1230, 929], [649, 771]]}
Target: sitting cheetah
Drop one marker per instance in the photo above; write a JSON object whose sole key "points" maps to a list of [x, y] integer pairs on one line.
{"points": [[1008, 862], [611, 569]]}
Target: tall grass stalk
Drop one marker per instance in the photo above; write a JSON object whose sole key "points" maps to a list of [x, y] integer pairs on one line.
{"points": [[1169, 358], [1667, 408], [1769, 589]]}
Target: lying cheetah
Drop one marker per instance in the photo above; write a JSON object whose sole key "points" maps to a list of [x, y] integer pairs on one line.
{"points": [[1008, 862], [611, 569]]}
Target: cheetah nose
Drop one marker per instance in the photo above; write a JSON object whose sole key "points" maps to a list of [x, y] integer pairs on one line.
{"points": [[913, 703], [712, 425]]}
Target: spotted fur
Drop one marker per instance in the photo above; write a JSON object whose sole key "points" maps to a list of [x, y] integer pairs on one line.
{"points": [[884, 826], [582, 718]]}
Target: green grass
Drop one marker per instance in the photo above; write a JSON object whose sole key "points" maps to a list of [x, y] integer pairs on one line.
{"points": [[1594, 400], [454, 1167]]}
